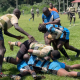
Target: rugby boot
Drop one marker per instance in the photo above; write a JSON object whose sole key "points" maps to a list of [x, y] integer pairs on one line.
{"points": [[15, 77], [3, 75], [78, 52], [11, 45]]}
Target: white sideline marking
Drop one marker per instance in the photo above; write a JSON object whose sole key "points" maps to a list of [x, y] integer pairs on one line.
{"points": [[70, 27]]}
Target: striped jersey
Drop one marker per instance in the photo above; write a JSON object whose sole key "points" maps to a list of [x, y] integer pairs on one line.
{"points": [[7, 21], [43, 50], [72, 10]]}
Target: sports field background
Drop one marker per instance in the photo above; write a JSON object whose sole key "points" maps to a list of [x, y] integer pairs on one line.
{"points": [[32, 28]]}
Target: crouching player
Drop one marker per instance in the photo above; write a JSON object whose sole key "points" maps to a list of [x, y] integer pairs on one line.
{"points": [[54, 67], [63, 39]]}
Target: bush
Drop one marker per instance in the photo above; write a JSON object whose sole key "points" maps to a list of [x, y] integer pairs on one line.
{"points": [[10, 10]]}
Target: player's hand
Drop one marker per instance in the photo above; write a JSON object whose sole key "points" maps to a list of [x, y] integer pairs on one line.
{"points": [[30, 50], [30, 37], [44, 23], [19, 37]]}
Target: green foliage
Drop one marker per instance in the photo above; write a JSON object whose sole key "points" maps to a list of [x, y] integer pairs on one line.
{"points": [[10, 10]]}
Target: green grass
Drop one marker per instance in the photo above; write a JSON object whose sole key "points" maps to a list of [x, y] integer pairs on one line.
{"points": [[32, 28]]}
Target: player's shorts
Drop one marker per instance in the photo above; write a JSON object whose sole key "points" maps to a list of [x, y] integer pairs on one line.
{"points": [[72, 14], [55, 65], [37, 12], [68, 13], [1, 35], [23, 49], [32, 13]]}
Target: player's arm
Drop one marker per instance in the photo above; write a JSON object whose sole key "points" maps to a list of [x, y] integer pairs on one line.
{"points": [[54, 31], [21, 30], [58, 33], [54, 22], [34, 52], [11, 35]]}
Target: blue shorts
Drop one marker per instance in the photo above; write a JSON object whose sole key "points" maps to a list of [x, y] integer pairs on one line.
{"points": [[65, 34], [55, 65], [1, 35]]}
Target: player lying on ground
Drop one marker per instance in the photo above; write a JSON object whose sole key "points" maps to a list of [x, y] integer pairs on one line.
{"points": [[32, 46], [41, 64], [62, 40], [24, 69]]}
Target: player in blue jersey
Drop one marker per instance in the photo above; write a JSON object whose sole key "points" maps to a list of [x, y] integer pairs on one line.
{"points": [[63, 39], [39, 64], [52, 18]]}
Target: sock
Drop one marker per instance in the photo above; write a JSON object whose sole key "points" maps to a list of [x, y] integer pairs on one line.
{"points": [[33, 74], [13, 43], [19, 75], [8, 59], [78, 74], [16, 43], [64, 52]]}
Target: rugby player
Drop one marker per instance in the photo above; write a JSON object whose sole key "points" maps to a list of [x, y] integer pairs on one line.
{"points": [[68, 13], [64, 38], [32, 14], [37, 11], [52, 18], [6, 22], [72, 14], [55, 67], [52, 8]]}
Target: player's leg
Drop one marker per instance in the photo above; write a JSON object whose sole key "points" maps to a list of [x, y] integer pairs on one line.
{"points": [[33, 17], [63, 72], [74, 19], [23, 50], [75, 66], [2, 52], [79, 14], [17, 43], [62, 50], [70, 20], [47, 41], [67, 46], [60, 44]]}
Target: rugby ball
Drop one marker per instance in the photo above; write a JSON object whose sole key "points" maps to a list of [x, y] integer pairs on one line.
{"points": [[51, 36]]}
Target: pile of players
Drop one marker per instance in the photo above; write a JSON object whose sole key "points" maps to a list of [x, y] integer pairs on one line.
{"points": [[39, 55]]}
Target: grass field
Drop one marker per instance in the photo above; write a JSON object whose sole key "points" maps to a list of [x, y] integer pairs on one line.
{"points": [[32, 28]]}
